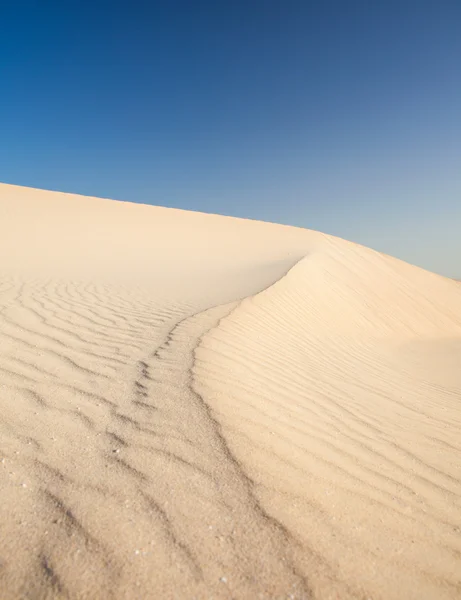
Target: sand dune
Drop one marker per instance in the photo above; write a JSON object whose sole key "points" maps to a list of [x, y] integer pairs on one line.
{"points": [[194, 406]]}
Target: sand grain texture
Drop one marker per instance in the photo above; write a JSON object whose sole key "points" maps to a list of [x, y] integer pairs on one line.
{"points": [[194, 406]]}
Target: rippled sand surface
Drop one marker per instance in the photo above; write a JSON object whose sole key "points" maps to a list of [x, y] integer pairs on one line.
{"points": [[194, 406]]}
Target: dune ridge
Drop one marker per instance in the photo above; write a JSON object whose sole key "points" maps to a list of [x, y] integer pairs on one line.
{"points": [[324, 387], [193, 406]]}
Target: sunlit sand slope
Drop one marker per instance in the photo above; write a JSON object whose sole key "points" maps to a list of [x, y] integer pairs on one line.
{"points": [[338, 391], [169, 430]]}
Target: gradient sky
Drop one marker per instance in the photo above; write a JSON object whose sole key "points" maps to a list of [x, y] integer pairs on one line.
{"points": [[342, 116]]}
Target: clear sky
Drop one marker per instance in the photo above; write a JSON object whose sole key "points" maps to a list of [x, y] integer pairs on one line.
{"points": [[342, 116]]}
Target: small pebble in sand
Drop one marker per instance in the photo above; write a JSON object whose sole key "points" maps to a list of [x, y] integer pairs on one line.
{"points": [[223, 579], [116, 451]]}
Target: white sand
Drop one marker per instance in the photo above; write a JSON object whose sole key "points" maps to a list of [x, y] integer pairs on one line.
{"points": [[169, 430]]}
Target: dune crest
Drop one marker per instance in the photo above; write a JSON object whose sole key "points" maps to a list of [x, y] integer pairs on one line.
{"points": [[194, 406], [334, 394]]}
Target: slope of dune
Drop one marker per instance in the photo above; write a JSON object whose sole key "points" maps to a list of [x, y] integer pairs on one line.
{"points": [[195, 406]]}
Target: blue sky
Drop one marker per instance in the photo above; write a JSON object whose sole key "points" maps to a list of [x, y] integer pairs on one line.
{"points": [[332, 115]]}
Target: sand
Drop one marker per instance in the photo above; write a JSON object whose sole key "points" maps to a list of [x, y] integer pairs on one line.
{"points": [[195, 406]]}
